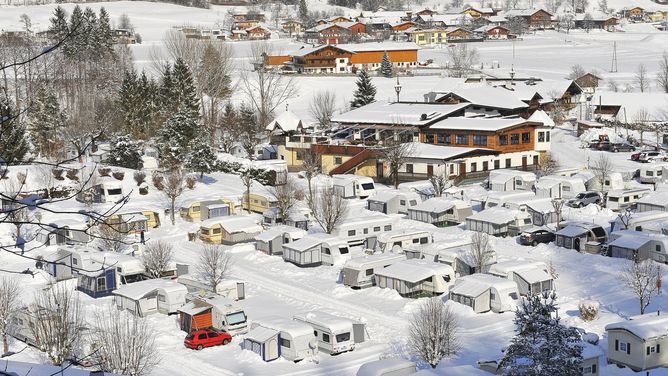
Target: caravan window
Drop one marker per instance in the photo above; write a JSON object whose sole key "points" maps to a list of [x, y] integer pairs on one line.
{"points": [[376, 229], [325, 337], [326, 251], [566, 188], [416, 241], [649, 173], [402, 202], [446, 278], [613, 199], [196, 209], [366, 230], [343, 337], [424, 240], [113, 192], [351, 232], [236, 318], [367, 186], [369, 272], [101, 284], [388, 227], [413, 202], [285, 342], [513, 295], [215, 230], [343, 250]]}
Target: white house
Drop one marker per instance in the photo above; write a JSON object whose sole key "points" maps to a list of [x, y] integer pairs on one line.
{"points": [[640, 343]]}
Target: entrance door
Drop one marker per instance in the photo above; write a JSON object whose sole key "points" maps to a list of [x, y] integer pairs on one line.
{"points": [[430, 170], [273, 349], [524, 163], [379, 169], [462, 169]]}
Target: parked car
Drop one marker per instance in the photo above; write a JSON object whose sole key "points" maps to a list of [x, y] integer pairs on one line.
{"points": [[584, 199], [536, 235], [651, 156], [200, 339], [621, 146]]}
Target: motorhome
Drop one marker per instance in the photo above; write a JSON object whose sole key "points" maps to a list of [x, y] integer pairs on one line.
{"points": [[398, 240], [652, 173], [150, 296], [297, 340], [554, 186], [484, 292], [511, 180], [648, 221], [353, 186], [227, 288], [357, 229], [212, 311], [271, 241], [416, 277], [499, 221], [335, 334], [531, 277], [441, 211], [358, 272], [393, 202], [500, 198], [315, 250], [621, 199]]}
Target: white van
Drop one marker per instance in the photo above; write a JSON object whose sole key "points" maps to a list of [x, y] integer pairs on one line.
{"points": [[358, 272], [355, 230], [335, 334], [353, 186], [398, 240], [620, 199], [296, 338]]}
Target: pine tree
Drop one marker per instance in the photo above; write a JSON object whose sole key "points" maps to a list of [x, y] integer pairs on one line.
{"points": [[126, 102], [90, 39], [201, 158], [13, 143], [303, 11], [77, 42], [104, 33], [175, 138], [365, 93], [184, 90], [167, 94], [386, 66], [248, 124], [124, 152], [229, 127], [46, 121], [542, 346], [59, 29]]}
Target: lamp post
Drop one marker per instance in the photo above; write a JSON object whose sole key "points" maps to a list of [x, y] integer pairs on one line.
{"points": [[512, 76], [397, 88]]}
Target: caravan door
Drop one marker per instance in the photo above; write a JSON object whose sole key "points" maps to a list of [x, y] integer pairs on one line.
{"points": [[241, 291], [359, 330]]}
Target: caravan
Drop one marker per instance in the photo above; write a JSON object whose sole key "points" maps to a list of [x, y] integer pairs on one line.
{"points": [[212, 311], [353, 186], [356, 230], [151, 296], [296, 338], [228, 288], [393, 202], [484, 292], [648, 221], [398, 240], [620, 199], [315, 250], [511, 180], [501, 198], [335, 334], [359, 272], [415, 278], [652, 173], [554, 186], [499, 221]]}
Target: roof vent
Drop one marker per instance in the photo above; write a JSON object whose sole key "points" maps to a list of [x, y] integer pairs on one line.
{"points": [[423, 117]]}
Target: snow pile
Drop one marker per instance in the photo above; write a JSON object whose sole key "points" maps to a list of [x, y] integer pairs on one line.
{"points": [[593, 134]]}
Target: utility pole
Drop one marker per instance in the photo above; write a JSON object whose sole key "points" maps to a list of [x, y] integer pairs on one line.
{"points": [[613, 68]]}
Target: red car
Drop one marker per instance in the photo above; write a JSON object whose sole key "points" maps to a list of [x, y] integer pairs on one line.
{"points": [[200, 339]]}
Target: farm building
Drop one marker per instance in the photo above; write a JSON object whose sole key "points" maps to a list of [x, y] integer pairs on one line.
{"points": [[531, 277], [441, 211], [499, 221], [229, 230], [150, 296], [415, 277], [484, 292], [271, 241]]}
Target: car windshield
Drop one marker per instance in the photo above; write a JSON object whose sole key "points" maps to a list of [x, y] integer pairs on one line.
{"points": [[190, 336], [367, 186], [236, 318], [580, 195]]}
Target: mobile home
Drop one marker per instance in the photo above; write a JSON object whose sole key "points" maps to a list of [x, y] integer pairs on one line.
{"points": [[423, 188], [499, 221], [461, 261], [227, 288], [388, 367], [501, 198], [63, 231], [636, 245], [297, 340], [647, 221], [393, 202], [639, 343], [315, 250], [620, 199], [229, 230], [357, 229], [511, 180], [655, 201], [652, 173], [530, 277], [441, 211], [260, 200], [416, 277], [212, 311], [335, 334], [358, 272], [581, 236], [353, 186], [554, 186], [264, 342], [151, 296], [107, 190], [199, 209], [271, 241], [398, 240], [484, 292]]}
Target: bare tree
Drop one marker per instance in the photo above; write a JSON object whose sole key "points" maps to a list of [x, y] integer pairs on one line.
{"points": [[662, 76], [322, 108], [641, 79], [10, 302], [329, 209], [214, 265], [577, 71], [247, 178], [286, 198], [179, 47], [440, 183], [641, 278], [613, 86], [124, 343], [265, 89], [462, 60], [396, 155], [214, 83], [641, 121], [558, 205], [157, 257], [174, 187], [312, 166], [60, 324], [558, 111], [433, 332], [547, 164], [602, 168], [111, 238], [625, 218], [481, 255]]}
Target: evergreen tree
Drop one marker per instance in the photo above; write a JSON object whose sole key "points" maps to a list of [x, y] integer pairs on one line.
{"points": [[303, 11], [46, 121], [542, 346], [386, 66], [77, 42], [124, 152], [184, 90], [126, 102], [229, 127], [104, 34], [176, 136], [201, 158], [91, 48], [365, 93], [13, 144], [167, 94], [59, 29], [248, 125]]}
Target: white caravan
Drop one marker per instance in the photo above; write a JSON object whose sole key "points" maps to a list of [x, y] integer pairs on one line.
{"points": [[355, 230], [484, 292], [500, 198], [296, 338], [652, 173], [335, 334], [620, 199], [228, 288], [649, 221], [358, 272], [398, 240], [511, 180], [353, 186], [387, 367]]}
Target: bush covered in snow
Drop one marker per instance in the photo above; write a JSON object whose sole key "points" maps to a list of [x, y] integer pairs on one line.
{"points": [[158, 181], [118, 175], [191, 181], [588, 310], [140, 177]]}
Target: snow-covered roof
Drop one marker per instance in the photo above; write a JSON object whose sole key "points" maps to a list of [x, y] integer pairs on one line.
{"points": [[502, 176], [399, 113], [128, 264], [193, 309], [540, 205], [497, 215], [522, 12], [572, 231], [633, 103], [261, 334], [415, 270], [447, 19], [385, 366], [287, 121], [489, 96], [334, 323], [233, 224], [540, 116], [621, 192], [655, 198], [307, 242], [506, 267], [533, 275], [420, 150], [645, 327], [439, 205], [497, 19], [475, 284], [279, 230], [549, 181], [138, 290], [362, 261], [486, 28], [630, 241], [219, 302], [477, 124]]}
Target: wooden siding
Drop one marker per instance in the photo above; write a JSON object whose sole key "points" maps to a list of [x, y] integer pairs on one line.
{"points": [[493, 138], [370, 57]]}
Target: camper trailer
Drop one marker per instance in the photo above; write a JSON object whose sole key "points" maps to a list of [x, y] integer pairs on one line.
{"points": [[150, 296], [297, 340], [335, 334], [498, 221], [460, 260], [393, 202], [229, 230], [441, 211], [315, 250], [359, 272], [636, 245], [484, 292], [227, 288], [353, 186], [555, 186], [423, 188], [212, 311], [263, 341], [531, 277], [511, 180], [388, 367], [200, 209], [107, 190], [271, 241], [652, 173], [501, 198], [431, 251], [648, 221], [398, 240], [541, 210], [63, 231], [415, 277], [655, 201], [260, 200], [357, 229], [581, 236], [621, 199]]}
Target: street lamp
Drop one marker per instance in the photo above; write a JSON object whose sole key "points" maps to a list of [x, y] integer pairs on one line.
{"points": [[397, 88], [512, 75]]}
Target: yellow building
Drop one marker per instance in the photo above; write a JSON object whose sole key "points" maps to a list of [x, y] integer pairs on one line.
{"points": [[199, 209], [229, 230], [429, 37], [259, 201], [134, 222], [658, 16]]}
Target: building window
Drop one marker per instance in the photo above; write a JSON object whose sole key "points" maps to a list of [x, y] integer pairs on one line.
{"points": [[462, 139], [474, 167], [452, 169], [448, 139], [351, 232], [515, 138], [485, 166], [409, 168], [547, 136], [508, 163], [497, 164], [441, 138], [526, 137], [503, 139], [338, 160], [479, 139], [541, 136], [430, 138], [535, 160]]}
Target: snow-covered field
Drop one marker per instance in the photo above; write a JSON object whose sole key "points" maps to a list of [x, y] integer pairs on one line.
{"points": [[279, 288]]}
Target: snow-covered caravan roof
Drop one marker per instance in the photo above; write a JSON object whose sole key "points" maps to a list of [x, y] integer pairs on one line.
{"points": [[447, 19], [439, 205], [415, 270], [352, 178], [138, 290], [283, 324], [621, 192], [475, 284], [364, 218], [533, 275], [655, 198], [127, 263], [630, 241], [550, 181], [363, 261], [506, 267], [307, 242], [572, 231], [279, 230], [502, 176], [421, 150], [261, 334], [489, 96], [645, 327], [498, 215], [334, 323], [220, 302], [540, 205], [233, 224], [384, 366], [540, 116], [387, 236], [391, 113], [508, 195]]}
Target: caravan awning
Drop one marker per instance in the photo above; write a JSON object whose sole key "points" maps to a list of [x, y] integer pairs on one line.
{"points": [[193, 310]]}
